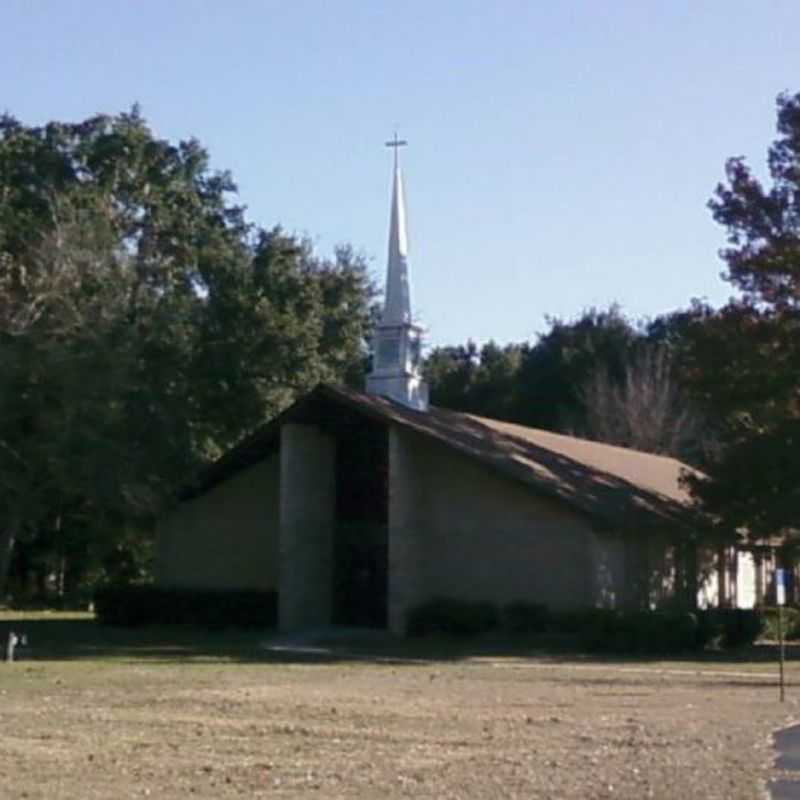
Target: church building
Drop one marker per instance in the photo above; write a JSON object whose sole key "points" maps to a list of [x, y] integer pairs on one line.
{"points": [[355, 507]]}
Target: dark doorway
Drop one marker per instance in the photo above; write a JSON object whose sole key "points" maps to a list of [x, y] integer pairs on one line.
{"points": [[362, 511]]}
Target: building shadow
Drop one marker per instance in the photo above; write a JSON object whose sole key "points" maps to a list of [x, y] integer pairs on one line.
{"points": [[85, 639]]}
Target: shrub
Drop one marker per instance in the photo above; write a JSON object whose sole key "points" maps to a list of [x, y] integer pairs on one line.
{"points": [[135, 605], [601, 630], [743, 627], [591, 626], [791, 623], [450, 616], [729, 627], [664, 631], [613, 631], [574, 621], [525, 617]]}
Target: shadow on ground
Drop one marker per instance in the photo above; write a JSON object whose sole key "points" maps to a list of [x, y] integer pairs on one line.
{"points": [[60, 639]]}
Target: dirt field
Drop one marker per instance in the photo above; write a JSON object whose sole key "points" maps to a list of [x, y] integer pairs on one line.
{"points": [[136, 718]]}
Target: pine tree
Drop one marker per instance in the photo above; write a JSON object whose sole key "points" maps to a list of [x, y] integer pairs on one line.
{"points": [[746, 357]]}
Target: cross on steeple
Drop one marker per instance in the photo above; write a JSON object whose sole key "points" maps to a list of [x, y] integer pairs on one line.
{"points": [[396, 144]]}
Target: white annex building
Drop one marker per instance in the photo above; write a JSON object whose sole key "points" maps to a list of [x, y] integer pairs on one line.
{"points": [[357, 506]]}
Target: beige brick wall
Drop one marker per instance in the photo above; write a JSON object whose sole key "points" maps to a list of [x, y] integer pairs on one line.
{"points": [[475, 535], [607, 554], [227, 538]]}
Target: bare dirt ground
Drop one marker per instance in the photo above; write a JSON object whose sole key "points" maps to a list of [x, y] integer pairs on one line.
{"points": [[151, 720]]}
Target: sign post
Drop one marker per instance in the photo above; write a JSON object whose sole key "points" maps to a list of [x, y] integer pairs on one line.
{"points": [[781, 579]]}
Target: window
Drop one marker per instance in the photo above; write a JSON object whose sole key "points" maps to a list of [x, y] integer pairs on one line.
{"points": [[416, 352], [389, 352]]}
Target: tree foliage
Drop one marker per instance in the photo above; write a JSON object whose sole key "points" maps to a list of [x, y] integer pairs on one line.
{"points": [[145, 325], [555, 369], [599, 376], [746, 357], [476, 381]]}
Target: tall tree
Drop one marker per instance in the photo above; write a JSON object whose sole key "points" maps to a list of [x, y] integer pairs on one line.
{"points": [[537, 384], [746, 358], [482, 382], [555, 369], [450, 372], [144, 324], [648, 409]]}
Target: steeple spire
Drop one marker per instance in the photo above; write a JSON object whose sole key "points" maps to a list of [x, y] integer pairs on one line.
{"points": [[397, 307], [396, 358]]}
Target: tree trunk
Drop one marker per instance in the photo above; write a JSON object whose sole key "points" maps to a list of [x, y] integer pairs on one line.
{"points": [[692, 578], [8, 538], [62, 559]]}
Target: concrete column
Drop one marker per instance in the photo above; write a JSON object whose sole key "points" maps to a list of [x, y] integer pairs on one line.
{"points": [[307, 520], [759, 568], [692, 575], [723, 578], [406, 529]]}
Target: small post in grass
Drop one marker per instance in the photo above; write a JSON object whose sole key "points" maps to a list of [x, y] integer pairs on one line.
{"points": [[11, 645], [14, 641], [781, 576]]}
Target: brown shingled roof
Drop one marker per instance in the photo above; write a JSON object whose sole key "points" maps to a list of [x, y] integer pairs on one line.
{"points": [[615, 486]]}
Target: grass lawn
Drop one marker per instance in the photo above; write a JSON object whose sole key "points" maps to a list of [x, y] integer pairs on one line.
{"points": [[93, 712]]}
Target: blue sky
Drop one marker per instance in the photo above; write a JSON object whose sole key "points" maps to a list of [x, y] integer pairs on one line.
{"points": [[561, 153]]}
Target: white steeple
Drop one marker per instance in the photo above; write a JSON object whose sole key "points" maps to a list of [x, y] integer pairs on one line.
{"points": [[396, 356], [397, 308]]}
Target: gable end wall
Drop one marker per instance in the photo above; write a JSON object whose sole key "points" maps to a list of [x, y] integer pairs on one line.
{"points": [[471, 534], [226, 538]]}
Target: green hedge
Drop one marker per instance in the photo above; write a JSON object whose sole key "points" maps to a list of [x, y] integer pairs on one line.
{"points": [[136, 605], [526, 618], [657, 632], [606, 630], [791, 623], [730, 627], [449, 616], [596, 630]]}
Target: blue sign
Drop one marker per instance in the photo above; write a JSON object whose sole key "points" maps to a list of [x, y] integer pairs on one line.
{"points": [[781, 584]]}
